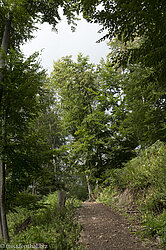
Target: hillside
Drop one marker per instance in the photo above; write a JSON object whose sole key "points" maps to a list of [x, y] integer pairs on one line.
{"points": [[139, 191]]}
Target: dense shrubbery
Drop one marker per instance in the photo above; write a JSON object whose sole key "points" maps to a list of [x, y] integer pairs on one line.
{"points": [[47, 226], [144, 175]]}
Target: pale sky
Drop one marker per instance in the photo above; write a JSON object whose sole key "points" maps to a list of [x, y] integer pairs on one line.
{"points": [[65, 43]]}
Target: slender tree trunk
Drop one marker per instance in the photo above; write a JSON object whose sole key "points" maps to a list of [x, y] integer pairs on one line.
{"points": [[89, 188], [3, 51], [3, 221], [33, 187], [4, 48], [1, 229], [5, 234], [61, 199]]}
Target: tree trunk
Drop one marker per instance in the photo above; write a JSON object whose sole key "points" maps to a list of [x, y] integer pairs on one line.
{"points": [[89, 188], [3, 220], [61, 199], [3, 51], [33, 187], [4, 48], [4, 227], [1, 229]]}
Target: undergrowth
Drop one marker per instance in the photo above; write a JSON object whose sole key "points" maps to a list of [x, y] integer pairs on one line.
{"points": [[47, 227], [144, 175]]}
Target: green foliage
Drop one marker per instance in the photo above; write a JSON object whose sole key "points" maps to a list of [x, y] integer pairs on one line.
{"points": [[48, 129], [23, 200], [147, 169], [47, 226], [74, 84], [155, 225], [137, 49], [145, 172], [105, 196], [92, 111], [22, 148], [145, 110], [77, 187], [25, 15], [130, 22]]}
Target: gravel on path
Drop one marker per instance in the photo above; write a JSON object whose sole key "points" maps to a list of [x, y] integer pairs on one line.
{"points": [[105, 229]]}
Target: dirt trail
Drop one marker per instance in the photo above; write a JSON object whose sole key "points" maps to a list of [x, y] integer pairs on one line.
{"points": [[105, 229]]}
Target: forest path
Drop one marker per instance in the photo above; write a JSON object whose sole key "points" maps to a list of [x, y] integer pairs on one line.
{"points": [[105, 229]]}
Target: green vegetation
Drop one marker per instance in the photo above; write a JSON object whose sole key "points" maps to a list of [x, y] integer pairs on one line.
{"points": [[46, 226], [143, 176]]}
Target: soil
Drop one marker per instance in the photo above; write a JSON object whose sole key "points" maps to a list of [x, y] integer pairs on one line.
{"points": [[105, 229]]}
